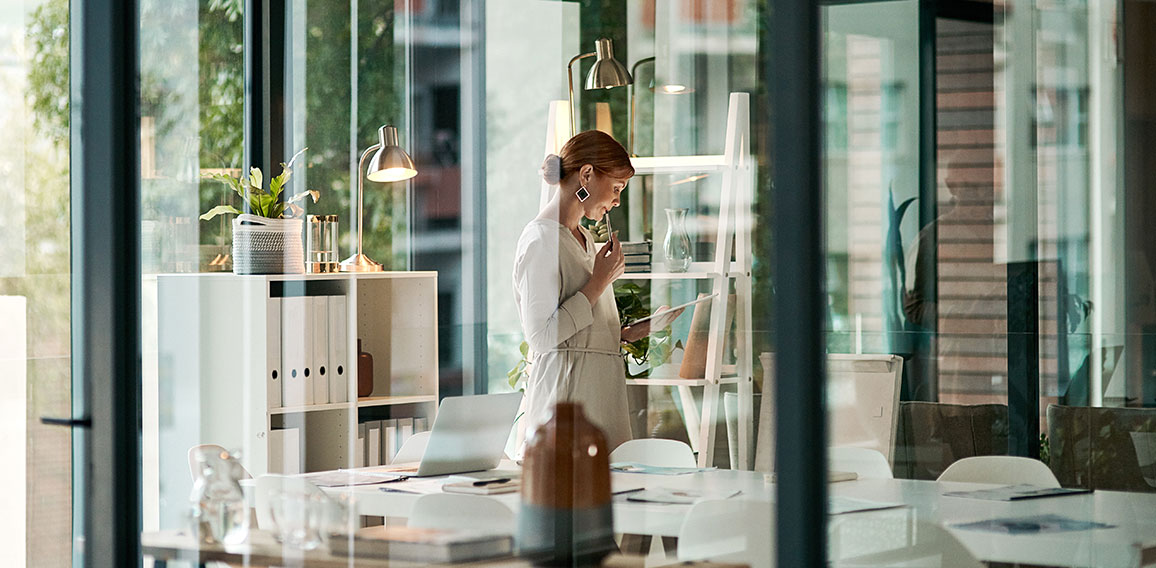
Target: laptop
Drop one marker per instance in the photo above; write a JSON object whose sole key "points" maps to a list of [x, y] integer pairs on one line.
{"points": [[469, 433]]}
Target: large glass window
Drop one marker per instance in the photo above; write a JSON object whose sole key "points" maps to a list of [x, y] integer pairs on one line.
{"points": [[984, 213]]}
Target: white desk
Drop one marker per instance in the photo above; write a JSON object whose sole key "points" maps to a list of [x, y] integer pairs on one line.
{"points": [[1131, 542]]}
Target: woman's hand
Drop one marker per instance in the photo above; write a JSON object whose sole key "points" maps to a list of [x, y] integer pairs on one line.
{"points": [[632, 333], [609, 264]]}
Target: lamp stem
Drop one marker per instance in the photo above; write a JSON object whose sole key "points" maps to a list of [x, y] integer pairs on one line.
{"points": [[361, 193], [570, 87], [633, 102]]}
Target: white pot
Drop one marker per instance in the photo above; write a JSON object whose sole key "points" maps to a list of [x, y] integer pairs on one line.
{"points": [[267, 246]]}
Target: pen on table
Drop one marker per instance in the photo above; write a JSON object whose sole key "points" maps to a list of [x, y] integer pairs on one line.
{"points": [[497, 481]]}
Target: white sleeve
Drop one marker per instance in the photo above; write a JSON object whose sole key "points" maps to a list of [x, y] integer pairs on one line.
{"points": [[548, 319]]}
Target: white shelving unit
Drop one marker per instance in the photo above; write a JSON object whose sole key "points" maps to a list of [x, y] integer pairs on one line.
{"points": [[733, 239], [216, 358]]}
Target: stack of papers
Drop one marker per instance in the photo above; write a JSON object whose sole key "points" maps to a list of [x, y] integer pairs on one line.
{"points": [[1015, 493], [345, 478], [1035, 524], [422, 545], [632, 467], [678, 496]]}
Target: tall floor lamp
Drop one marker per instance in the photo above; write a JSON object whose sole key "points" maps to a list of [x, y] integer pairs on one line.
{"points": [[606, 73], [390, 163]]}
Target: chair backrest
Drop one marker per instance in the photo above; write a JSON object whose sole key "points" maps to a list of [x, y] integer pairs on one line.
{"points": [[862, 403], [412, 449], [732, 530], [268, 487], [1124, 433], [656, 452], [926, 544], [933, 435], [195, 470], [1002, 470], [457, 511], [867, 463]]}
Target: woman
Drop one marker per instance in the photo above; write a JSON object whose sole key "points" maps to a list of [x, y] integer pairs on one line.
{"points": [[562, 287]]}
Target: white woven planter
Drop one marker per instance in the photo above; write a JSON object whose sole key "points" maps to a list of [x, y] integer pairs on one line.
{"points": [[267, 246]]}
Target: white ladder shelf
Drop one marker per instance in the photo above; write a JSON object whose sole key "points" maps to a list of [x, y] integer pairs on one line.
{"points": [[734, 226]]}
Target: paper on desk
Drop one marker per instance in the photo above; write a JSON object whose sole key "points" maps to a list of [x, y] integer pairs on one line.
{"points": [[1015, 493], [348, 478], [838, 505], [1034, 524], [678, 496], [632, 467]]}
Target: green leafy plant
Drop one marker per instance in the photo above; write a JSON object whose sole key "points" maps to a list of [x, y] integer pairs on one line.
{"points": [[651, 351], [522, 369], [261, 202]]}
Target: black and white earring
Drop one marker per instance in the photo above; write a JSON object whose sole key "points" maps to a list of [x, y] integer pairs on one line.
{"points": [[582, 194]]}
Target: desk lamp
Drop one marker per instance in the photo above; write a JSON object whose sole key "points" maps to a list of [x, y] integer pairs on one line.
{"points": [[606, 73], [667, 87], [390, 163]]}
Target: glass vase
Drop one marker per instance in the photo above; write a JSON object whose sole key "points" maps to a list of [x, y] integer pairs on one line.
{"points": [[676, 245]]}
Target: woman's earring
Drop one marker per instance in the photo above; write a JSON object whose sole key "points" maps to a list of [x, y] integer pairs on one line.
{"points": [[582, 194]]}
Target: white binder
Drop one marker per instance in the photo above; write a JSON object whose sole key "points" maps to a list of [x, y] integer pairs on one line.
{"points": [[294, 327], [373, 443], [339, 370], [359, 447], [404, 430], [273, 374], [319, 343], [389, 440]]}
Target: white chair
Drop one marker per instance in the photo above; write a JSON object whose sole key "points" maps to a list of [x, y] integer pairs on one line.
{"points": [[865, 462], [269, 486], [926, 545], [412, 449], [731, 530], [1000, 470], [457, 511], [656, 452], [195, 470]]}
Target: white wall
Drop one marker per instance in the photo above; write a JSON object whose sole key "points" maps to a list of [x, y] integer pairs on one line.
{"points": [[13, 416]]}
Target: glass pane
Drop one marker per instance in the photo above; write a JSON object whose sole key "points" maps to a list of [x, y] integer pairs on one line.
{"points": [[34, 285]]}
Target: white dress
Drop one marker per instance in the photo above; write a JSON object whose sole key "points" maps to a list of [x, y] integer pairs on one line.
{"points": [[575, 351]]}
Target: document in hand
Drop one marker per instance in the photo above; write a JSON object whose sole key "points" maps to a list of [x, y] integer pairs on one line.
{"points": [[422, 545]]}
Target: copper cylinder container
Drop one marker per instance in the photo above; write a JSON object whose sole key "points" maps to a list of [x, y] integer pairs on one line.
{"points": [[566, 517]]}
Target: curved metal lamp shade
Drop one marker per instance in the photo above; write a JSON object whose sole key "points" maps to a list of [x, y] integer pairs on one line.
{"points": [[390, 163], [607, 72]]}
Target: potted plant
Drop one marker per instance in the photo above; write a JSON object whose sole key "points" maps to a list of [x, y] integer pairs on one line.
{"points": [[267, 239]]}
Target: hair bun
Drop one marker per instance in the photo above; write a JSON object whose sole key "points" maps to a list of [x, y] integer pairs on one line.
{"points": [[552, 169]]}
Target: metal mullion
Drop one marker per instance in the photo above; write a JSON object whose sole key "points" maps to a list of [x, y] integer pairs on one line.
{"points": [[800, 412], [106, 276]]}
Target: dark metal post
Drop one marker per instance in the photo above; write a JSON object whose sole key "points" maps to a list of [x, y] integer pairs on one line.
{"points": [[922, 378], [1023, 361], [264, 85], [106, 338], [800, 412]]}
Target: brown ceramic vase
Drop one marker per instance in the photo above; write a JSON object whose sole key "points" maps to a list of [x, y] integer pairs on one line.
{"points": [[566, 517]]}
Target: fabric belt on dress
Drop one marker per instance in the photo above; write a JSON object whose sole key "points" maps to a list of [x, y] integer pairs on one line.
{"points": [[580, 350]]}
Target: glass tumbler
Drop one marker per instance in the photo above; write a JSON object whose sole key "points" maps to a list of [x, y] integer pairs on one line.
{"points": [[321, 244]]}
